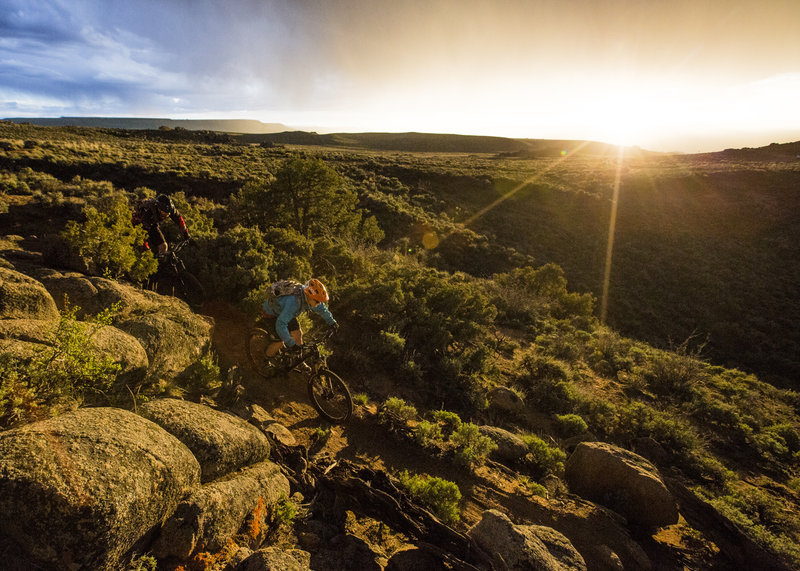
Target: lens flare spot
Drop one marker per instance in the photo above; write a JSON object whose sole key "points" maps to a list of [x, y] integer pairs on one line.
{"points": [[430, 240]]}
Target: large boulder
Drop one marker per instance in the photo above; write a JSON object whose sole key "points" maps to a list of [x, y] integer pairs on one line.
{"points": [[172, 342], [172, 335], [22, 297], [215, 513], [24, 338], [622, 481], [78, 491], [598, 533], [124, 349], [510, 447], [39, 331], [533, 547], [221, 442], [503, 400], [93, 294]]}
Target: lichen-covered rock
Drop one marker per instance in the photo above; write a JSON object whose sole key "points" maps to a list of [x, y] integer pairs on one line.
{"points": [[24, 338], [93, 294], [510, 447], [276, 559], [79, 490], [522, 547], [22, 297], [172, 342], [502, 399], [215, 513], [221, 442], [623, 481], [172, 335]]}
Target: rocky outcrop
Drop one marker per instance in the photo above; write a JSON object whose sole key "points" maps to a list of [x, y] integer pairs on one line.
{"points": [[622, 481], [275, 559], [22, 297], [504, 400], [533, 547], [172, 335], [25, 338], [214, 513], [510, 447], [221, 442], [93, 294], [79, 490]]}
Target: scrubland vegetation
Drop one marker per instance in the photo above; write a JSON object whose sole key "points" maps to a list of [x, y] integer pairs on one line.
{"points": [[705, 276]]}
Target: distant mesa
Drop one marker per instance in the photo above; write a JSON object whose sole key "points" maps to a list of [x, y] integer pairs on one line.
{"points": [[250, 126]]}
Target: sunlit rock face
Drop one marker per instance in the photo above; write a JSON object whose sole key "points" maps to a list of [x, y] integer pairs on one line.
{"points": [[78, 491]]}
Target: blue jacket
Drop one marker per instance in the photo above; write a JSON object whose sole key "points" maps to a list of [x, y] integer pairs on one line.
{"points": [[288, 307]]}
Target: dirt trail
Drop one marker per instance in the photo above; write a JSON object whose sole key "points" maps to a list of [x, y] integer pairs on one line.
{"points": [[362, 441]]}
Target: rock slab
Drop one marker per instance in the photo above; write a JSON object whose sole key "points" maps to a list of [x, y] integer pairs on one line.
{"points": [[221, 442], [523, 547], [78, 491], [623, 481]]}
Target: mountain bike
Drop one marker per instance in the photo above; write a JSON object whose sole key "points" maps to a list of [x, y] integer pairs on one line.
{"points": [[327, 391], [172, 278]]}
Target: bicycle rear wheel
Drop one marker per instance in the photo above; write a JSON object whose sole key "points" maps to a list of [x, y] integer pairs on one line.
{"points": [[330, 396], [257, 343]]}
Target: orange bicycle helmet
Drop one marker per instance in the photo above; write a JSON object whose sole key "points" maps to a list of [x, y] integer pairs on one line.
{"points": [[315, 292]]}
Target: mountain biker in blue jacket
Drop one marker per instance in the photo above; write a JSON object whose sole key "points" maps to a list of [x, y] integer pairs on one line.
{"points": [[285, 310]]}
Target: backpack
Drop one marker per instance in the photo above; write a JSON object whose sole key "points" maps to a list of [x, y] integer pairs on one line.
{"points": [[286, 287]]}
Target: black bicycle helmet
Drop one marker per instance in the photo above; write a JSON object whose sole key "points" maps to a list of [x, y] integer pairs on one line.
{"points": [[165, 203]]}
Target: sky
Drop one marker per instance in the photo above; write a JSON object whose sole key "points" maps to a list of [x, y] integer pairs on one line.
{"points": [[666, 75]]}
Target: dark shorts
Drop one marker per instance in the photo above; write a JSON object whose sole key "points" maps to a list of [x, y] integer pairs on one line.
{"points": [[269, 323]]}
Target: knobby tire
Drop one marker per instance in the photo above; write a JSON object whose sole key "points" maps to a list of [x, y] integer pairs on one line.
{"points": [[258, 340], [330, 396]]}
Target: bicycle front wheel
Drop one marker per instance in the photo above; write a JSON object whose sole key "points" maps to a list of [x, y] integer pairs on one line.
{"points": [[330, 396], [183, 285], [257, 343]]}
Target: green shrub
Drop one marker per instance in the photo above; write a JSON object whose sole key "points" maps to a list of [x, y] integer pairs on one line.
{"points": [[396, 411], [427, 433], [600, 415], [534, 488], [237, 263], [764, 518], [108, 243], [472, 447], [360, 399], [61, 375], [450, 421], [143, 562], [202, 377], [441, 496], [673, 373], [543, 458], [284, 512], [570, 425]]}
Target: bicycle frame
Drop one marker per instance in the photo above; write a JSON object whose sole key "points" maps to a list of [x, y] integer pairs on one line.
{"points": [[311, 352], [169, 262]]}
